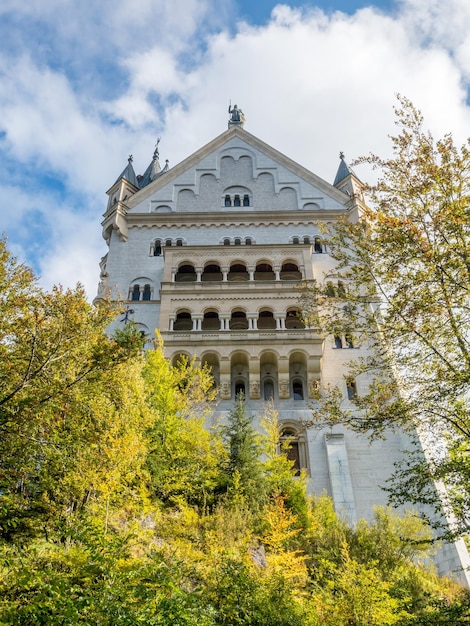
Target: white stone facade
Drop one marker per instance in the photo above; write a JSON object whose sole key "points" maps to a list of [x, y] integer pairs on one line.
{"points": [[211, 253]]}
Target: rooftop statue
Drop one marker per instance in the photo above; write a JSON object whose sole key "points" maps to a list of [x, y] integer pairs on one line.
{"points": [[236, 115]]}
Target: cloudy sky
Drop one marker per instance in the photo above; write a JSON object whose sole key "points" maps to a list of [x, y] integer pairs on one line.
{"points": [[84, 84]]}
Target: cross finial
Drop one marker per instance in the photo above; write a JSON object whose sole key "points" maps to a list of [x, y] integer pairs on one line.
{"points": [[156, 153], [341, 155], [131, 158]]}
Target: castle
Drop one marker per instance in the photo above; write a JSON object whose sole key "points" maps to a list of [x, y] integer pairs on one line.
{"points": [[211, 252]]}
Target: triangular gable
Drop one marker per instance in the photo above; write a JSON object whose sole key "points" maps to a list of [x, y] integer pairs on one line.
{"points": [[184, 172]]}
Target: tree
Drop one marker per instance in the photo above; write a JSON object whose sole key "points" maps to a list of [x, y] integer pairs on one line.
{"points": [[62, 399], [406, 263], [279, 471], [245, 476], [184, 455]]}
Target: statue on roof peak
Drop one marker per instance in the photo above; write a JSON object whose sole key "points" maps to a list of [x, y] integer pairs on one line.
{"points": [[237, 116]]}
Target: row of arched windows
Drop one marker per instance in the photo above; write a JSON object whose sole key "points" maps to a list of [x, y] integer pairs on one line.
{"points": [[237, 320], [337, 290], [213, 272], [318, 244], [344, 341], [237, 200], [140, 292], [263, 380], [156, 248], [237, 241]]}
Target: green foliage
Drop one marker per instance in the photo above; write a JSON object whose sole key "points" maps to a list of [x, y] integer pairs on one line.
{"points": [[119, 507], [244, 473], [406, 264], [65, 403], [184, 456], [278, 469]]}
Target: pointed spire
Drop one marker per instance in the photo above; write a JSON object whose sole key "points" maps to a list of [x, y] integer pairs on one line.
{"points": [[343, 170], [128, 173], [154, 170]]}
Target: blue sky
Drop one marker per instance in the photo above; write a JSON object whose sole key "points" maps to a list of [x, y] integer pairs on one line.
{"points": [[85, 84]]}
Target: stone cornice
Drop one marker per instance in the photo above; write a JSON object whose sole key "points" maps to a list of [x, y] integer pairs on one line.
{"points": [[231, 218]]}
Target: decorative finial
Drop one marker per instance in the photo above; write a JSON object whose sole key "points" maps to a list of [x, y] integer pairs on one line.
{"points": [[156, 154], [341, 155], [130, 159]]}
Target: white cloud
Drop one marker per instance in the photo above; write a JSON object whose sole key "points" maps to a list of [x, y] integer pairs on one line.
{"points": [[102, 84]]}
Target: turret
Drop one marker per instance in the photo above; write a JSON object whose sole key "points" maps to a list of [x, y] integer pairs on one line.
{"points": [[154, 170], [347, 182]]}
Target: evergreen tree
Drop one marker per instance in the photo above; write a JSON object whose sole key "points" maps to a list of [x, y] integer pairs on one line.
{"points": [[245, 478]]}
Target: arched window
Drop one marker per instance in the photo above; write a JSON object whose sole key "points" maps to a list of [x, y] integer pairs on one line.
{"points": [[290, 271], [236, 201], [317, 246], [238, 321], [240, 389], [289, 444], [351, 388], [211, 273], [266, 320], [135, 293], [185, 274], [157, 248], [297, 390], [341, 289], [294, 320], [168, 243], [264, 271], [147, 293], [179, 242], [183, 321], [248, 241], [238, 272], [306, 239], [246, 200], [226, 242], [211, 321], [227, 202], [238, 241], [338, 341], [330, 289], [268, 390], [349, 340], [296, 240]]}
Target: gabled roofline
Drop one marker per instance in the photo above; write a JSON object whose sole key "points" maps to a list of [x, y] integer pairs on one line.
{"points": [[237, 131]]}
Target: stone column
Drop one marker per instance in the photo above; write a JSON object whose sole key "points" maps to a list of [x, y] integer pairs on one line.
{"points": [[198, 317], [313, 375], [225, 380], [283, 369], [251, 271], [254, 378], [172, 321], [252, 321], [198, 274], [279, 317], [224, 321], [277, 272]]}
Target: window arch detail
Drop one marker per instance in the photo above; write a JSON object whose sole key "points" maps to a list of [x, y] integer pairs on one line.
{"points": [[293, 443]]}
